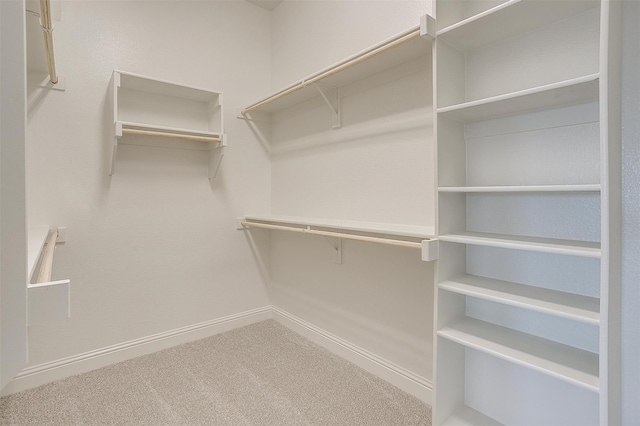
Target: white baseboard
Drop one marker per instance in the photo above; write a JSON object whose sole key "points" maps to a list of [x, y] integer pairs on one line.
{"points": [[60, 369], [404, 379]]}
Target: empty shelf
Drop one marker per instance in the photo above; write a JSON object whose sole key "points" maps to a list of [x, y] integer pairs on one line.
{"points": [[414, 231], [544, 245], [509, 20], [563, 362], [566, 305], [523, 188], [466, 416], [568, 92]]}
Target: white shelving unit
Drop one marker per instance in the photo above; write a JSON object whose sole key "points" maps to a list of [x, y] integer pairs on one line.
{"points": [[526, 300], [148, 111], [47, 300]]}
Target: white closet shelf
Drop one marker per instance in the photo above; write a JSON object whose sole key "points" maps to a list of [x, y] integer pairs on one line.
{"points": [[400, 230], [552, 302], [140, 83], [544, 245], [523, 188], [47, 300], [563, 362], [509, 20], [401, 48], [569, 92], [466, 416]]}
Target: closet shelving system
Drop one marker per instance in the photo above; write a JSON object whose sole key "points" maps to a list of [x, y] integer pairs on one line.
{"points": [[46, 299], [527, 298], [148, 111], [326, 84]]}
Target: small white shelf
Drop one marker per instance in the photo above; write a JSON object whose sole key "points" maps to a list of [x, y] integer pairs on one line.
{"points": [[402, 48], [466, 416], [568, 92], [400, 230], [552, 302], [46, 301], [563, 362], [509, 20], [544, 245], [522, 188], [153, 112]]}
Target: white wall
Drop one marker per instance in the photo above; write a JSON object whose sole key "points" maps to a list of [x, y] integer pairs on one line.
{"points": [[154, 247], [377, 167], [631, 216]]}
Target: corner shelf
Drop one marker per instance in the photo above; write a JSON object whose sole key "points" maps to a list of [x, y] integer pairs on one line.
{"points": [[184, 116], [48, 300], [563, 93], [514, 242], [552, 302], [563, 362], [507, 20]]}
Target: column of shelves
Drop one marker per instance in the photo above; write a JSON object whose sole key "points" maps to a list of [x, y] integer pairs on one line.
{"points": [[520, 198]]}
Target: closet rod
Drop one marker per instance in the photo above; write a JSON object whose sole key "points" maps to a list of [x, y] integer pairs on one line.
{"points": [[172, 135], [377, 240], [368, 55], [47, 31], [46, 264]]}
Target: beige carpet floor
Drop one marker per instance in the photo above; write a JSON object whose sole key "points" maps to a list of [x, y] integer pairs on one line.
{"points": [[262, 374]]}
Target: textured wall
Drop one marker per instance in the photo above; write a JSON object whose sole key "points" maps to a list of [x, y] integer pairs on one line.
{"points": [[154, 247]]}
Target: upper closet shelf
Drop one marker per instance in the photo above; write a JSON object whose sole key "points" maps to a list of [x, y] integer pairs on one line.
{"points": [[508, 20], [402, 48], [522, 188], [568, 92], [351, 230], [184, 116]]}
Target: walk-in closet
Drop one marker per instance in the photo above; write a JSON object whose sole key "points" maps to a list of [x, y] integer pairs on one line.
{"points": [[320, 212]]}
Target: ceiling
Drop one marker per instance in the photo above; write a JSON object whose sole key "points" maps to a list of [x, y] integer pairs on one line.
{"points": [[266, 4]]}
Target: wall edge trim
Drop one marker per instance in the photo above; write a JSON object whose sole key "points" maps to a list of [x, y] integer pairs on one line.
{"points": [[59, 369], [416, 385]]}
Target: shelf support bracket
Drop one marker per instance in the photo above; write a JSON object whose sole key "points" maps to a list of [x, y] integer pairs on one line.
{"points": [[336, 244], [216, 159], [333, 104]]}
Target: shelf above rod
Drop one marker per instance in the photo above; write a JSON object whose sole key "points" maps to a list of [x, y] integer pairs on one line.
{"points": [[47, 31], [171, 135], [308, 230], [46, 264], [336, 69]]}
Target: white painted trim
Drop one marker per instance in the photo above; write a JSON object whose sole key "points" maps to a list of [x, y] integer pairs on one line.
{"points": [[60, 369], [400, 377]]}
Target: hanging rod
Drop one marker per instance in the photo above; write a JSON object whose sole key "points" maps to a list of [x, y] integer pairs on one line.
{"points": [[46, 264], [368, 55], [172, 135], [310, 231], [47, 31]]}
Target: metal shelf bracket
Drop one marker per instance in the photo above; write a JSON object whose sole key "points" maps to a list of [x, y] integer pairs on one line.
{"points": [[333, 102]]}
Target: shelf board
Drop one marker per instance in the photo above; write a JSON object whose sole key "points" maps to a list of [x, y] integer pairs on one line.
{"points": [[563, 93], [552, 302], [523, 188], [563, 362], [508, 20], [466, 416], [368, 62], [142, 83], [544, 245], [413, 231]]}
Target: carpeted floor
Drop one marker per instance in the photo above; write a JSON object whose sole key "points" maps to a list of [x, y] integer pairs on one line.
{"points": [[262, 374]]}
